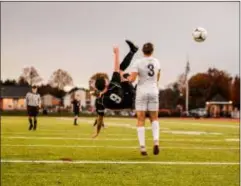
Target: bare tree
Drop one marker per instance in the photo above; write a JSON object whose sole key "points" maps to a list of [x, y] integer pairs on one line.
{"points": [[60, 79], [179, 84], [30, 75]]}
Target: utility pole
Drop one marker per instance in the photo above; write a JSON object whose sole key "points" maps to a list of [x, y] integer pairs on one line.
{"points": [[187, 70]]}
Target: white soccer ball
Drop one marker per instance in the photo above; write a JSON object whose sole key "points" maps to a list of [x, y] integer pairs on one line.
{"points": [[199, 34]]}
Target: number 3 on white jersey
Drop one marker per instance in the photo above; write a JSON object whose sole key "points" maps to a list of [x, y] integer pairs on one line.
{"points": [[115, 98]]}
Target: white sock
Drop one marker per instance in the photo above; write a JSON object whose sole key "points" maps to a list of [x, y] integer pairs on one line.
{"points": [[141, 136], [155, 132]]}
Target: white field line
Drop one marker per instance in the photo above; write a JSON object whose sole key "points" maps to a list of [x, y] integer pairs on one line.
{"points": [[118, 147], [161, 122], [200, 124], [174, 132], [66, 133], [115, 139], [118, 162]]}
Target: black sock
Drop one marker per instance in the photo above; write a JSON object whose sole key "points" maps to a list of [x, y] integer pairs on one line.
{"points": [[75, 121], [35, 124], [30, 123], [126, 61]]}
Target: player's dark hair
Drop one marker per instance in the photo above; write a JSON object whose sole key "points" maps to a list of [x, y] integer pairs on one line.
{"points": [[100, 83], [148, 48], [126, 75]]}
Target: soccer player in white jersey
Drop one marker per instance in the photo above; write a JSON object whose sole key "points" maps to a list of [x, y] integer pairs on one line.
{"points": [[147, 69], [33, 102]]}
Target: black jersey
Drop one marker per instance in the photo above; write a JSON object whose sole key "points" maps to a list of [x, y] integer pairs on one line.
{"points": [[129, 95], [120, 95], [114, 94], [76, 105]]}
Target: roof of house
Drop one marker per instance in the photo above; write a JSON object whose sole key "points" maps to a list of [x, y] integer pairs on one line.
{"points": [[51, 96], [75, 89], [14, 91], [218, 98]]}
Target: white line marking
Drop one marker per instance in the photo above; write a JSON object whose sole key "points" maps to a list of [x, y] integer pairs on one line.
{"points": [[231, 139], [201, 124], [73, 133], [190, 132], [117, 147], [118, 162], [174, 132], [161, 122], [116, 139]]}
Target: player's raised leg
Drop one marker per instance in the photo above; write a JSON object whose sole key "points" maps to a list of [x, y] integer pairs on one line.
{"points": [[127, 59]]}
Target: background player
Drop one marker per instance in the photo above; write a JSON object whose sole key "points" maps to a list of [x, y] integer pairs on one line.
{"points": [[76, 108], [33, 103], [148, 71]]}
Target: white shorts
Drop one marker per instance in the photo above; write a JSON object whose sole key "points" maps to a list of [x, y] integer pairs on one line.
{"points": [[147, 101]]}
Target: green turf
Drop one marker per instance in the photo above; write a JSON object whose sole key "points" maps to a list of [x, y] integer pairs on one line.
{"points": [[57, 138]]}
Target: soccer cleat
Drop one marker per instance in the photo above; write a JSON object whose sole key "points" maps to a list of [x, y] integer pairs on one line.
{"points": [[133, 48], [156, 150], [144, 153]]}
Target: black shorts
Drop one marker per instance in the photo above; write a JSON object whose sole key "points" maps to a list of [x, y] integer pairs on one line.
{"points": [[129, 96], [32, 111], [100, 109], [76, 112]]}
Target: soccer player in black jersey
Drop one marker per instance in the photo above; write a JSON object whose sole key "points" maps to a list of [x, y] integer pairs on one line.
{"points": [[76, 109], [119, 93]]}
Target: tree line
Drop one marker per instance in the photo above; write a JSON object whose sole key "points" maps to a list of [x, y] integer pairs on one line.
{"points": [[55, 86], [203, 87]]}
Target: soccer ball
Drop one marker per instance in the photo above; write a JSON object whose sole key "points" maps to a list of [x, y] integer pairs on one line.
{"points": [[199, 34]]}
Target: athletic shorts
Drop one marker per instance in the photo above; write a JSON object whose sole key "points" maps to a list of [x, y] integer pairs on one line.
{"points": [[128, 97], [32, 111], [147, 101], [76, 112]]}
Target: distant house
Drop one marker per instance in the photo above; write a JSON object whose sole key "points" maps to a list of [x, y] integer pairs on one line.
{"points": [[49, 100], [219, 106], [79, 94], [13, 97]]}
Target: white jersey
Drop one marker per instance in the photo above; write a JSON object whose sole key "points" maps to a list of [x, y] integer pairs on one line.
{"points": [[33, 99], [147, 69]]}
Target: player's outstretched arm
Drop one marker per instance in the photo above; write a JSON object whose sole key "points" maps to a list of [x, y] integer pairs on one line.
{"points": [[116, 59]]}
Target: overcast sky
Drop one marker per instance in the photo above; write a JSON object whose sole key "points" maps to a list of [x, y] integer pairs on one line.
{"points": [[78, 36]]}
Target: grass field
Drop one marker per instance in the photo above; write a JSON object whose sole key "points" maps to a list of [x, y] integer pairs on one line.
{"points": [[202, 152]]}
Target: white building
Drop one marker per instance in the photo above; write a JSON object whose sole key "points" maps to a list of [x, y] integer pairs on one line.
{"points": [[49, 100], [81, 95]]}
